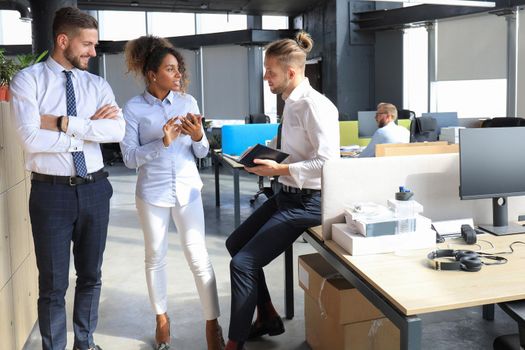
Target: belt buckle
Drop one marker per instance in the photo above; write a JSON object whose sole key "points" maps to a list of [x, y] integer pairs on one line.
{"points": [[71, 179]]}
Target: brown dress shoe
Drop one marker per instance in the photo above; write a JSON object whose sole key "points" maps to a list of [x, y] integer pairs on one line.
{"points": [[214, 336]]}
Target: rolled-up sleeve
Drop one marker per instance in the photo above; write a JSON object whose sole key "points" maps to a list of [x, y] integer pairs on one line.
{"points": [[323, 135]]}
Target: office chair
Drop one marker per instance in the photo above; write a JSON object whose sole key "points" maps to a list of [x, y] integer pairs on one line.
{"points": [[423, 129], [257, 118], [260, 118], [502, 122], [405, 114]]}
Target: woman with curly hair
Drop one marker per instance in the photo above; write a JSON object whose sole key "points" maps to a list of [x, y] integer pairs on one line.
{"points": [[163, 135]]}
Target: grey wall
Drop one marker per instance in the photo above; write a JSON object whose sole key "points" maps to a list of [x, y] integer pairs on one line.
{"points": [[225, 76], [388, 68], [348, 57], [124, 86]]}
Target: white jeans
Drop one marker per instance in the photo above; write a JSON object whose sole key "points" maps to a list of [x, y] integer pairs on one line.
{"points": [[189, 220]]}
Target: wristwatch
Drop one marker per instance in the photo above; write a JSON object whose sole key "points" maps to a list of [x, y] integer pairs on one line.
{"points": [[59, 123]]}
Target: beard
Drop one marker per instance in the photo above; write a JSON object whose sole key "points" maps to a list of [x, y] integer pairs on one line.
{"points": [[281, 88], [74, 60]]}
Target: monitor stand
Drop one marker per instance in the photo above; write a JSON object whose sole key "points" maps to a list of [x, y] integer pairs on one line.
{"points": [[510, 229], [501, 225]]}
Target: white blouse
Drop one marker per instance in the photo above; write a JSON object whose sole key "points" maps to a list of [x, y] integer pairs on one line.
{"points": [[166, 175]]}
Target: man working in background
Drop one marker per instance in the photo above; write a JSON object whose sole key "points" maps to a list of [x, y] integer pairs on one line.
{"points": [[388, 132]]}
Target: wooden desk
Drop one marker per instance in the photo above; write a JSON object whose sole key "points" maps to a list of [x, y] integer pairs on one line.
{"points": [[404, 286], [217, 159]]}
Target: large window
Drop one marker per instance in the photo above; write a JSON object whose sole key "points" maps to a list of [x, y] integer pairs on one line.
{"points": [[168, 24], [121, 25], [216, 23], [471, 98], [13, 31], [274, 22], [415, 70]]}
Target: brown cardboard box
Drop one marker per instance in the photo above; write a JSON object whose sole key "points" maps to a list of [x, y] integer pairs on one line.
{"points": [[337, 316], [325, 333], [339, 299]]}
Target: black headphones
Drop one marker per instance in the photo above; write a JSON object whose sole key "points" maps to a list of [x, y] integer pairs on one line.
{"points": [[466, 260]]}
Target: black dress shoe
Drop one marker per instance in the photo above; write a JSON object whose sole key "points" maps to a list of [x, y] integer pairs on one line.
{"points": [[273, 326]]}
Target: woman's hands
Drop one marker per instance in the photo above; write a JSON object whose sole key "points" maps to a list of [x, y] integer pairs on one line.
{"points": [[192, 125], [171, 131]]}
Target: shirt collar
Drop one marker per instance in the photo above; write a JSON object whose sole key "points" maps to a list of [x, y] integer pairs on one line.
{"points": [[152, 99], [58, 69], [299, 90]]}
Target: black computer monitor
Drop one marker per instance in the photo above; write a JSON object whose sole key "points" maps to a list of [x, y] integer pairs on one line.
{"points": [[443, 119], [366, 123], [492, 165]]}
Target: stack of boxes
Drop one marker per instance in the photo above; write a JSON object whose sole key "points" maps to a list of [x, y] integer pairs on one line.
{"points": [[337, 316], [371, 228]]}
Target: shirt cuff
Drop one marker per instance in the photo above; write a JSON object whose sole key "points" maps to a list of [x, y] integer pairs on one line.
{"points": [[76, 145], [76, 127]]}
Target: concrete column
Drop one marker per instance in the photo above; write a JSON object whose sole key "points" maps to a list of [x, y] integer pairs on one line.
{"points": [[512, 62], [42, 26], [254, 22], [255, 79], [432, 65]]}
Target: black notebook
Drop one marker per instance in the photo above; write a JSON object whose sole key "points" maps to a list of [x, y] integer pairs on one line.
{"points": [[259, 152]]}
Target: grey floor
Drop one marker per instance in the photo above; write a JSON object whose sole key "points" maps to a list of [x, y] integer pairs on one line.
{"points": [[126, 320]]}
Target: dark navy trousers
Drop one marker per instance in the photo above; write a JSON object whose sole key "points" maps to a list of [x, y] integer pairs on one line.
{"points": [[267, 233], [62, 215]]}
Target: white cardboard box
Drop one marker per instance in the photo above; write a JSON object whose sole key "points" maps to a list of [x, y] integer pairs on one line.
{"points": [[356, 244]]}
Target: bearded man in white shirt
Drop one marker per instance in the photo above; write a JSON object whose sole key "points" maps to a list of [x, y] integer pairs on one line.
{"points": [[62, 114], [310, 135], [388, 131]]}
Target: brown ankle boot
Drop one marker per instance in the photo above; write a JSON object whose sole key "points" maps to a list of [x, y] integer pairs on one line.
{"points": [[214, 335]]}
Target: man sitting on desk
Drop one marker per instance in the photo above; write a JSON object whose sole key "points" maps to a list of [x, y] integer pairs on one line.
{"points": [[388, 132]]}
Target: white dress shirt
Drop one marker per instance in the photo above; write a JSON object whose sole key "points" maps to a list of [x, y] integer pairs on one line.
{"points": [[310, 135], [390, 133], [166, 175], [41, 89]]}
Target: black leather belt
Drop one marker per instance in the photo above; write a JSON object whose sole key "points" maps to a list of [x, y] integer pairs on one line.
{"points": [[70, 180], [290, 189]]}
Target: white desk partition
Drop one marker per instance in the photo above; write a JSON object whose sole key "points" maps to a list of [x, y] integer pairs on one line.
{"points": [[434, 179]]}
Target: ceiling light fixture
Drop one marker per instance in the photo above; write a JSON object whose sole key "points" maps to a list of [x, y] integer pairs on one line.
{"points": [[470, 3], [134, 4]]}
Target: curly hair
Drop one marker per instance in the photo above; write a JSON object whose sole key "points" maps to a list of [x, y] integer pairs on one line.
{"points": [[146, 53]]}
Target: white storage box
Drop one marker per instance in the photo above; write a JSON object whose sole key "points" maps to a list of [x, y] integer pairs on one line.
{"points": [[450, 134], [370, 219], [356, 244]]}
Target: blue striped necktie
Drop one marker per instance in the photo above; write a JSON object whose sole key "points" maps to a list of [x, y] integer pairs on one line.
{"points": [[78, 157]]}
